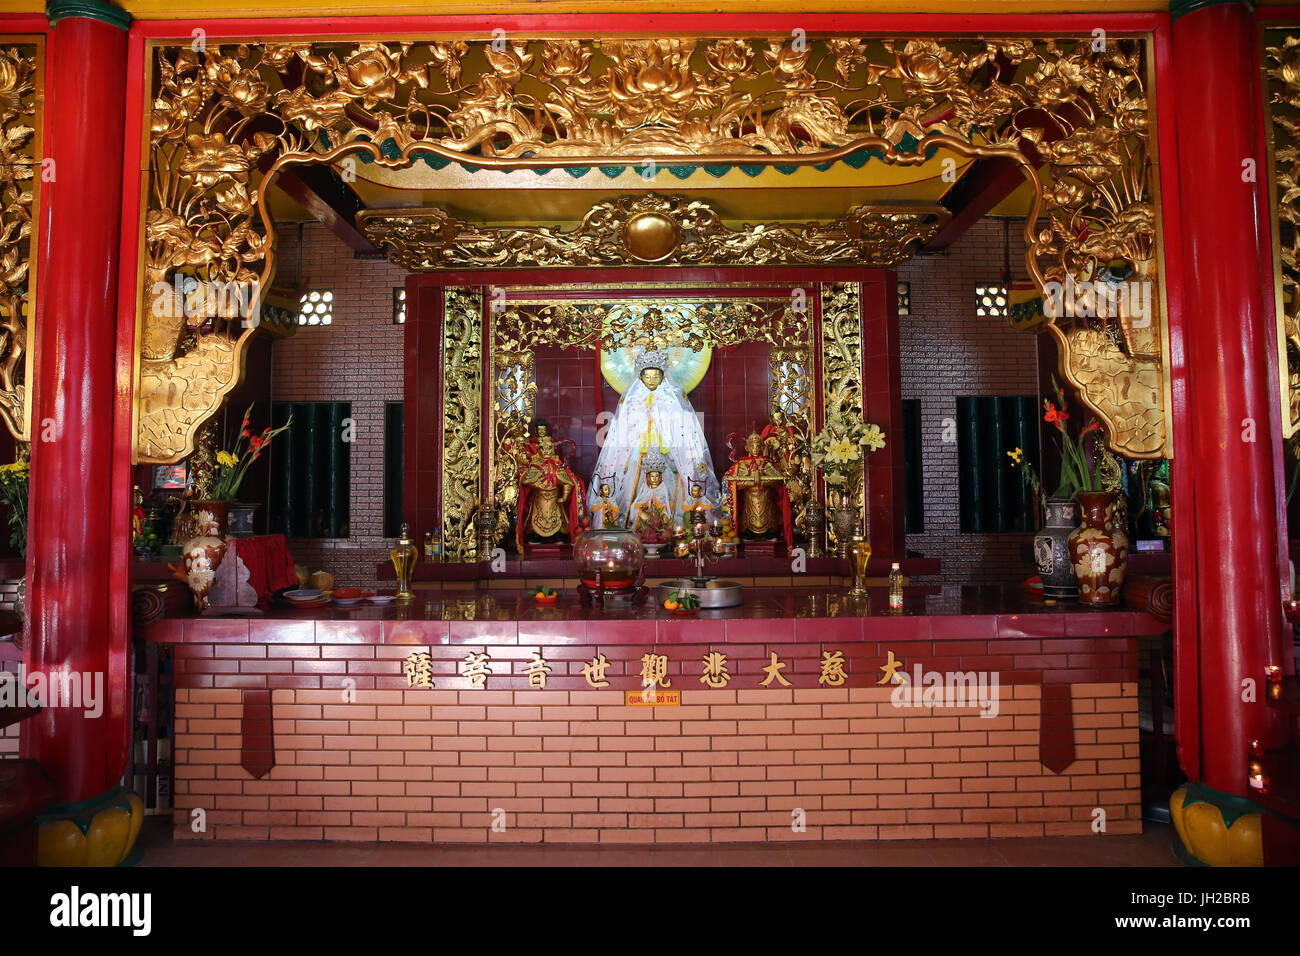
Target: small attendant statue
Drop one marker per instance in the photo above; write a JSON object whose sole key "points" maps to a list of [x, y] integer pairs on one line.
{"points": [[604, 512], [760, 502], [652, 510], [551, 496]]}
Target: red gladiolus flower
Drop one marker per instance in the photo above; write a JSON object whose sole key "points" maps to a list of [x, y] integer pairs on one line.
{"points": [[1052, 415], [1095, 426], [246, 433], [255, 443]]}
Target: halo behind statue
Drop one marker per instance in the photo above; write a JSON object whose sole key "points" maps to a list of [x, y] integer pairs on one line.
{"points": [[686, 367]]}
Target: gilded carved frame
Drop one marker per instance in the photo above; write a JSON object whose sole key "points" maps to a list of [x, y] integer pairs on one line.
{"points": [[1080, 110], [528, 317]]}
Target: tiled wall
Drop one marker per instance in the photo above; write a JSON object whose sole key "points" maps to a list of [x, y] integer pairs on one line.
{"points": [[946, 352], [579, 766], [570, 764]]}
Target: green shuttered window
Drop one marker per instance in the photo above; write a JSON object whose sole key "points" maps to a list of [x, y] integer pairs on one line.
{"points": [[992, 496], [311, 470], [913, 478], [393, 423]]}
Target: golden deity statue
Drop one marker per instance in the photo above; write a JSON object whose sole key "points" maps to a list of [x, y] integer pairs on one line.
{"points": [[783, 447], [551, 496], [760, 501]]}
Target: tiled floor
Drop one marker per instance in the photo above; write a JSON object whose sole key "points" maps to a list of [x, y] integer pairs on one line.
{"points": [[1151, 848]]}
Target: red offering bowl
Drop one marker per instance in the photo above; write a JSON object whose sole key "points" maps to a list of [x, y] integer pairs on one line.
{"points": [[686, 610], [542, 599]]}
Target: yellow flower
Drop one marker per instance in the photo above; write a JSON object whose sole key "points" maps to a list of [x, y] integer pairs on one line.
{"points": [[227, 459], [873, 438], [841, 450], [1015, 455]]}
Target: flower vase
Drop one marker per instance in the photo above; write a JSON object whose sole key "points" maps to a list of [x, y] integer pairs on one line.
{"points": [[1098, 551], [203, 554], [844, 519], [1051, 552]]}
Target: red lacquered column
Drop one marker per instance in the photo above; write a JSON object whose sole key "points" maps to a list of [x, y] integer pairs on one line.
{"points": [[1239, 629], [69, 527]]}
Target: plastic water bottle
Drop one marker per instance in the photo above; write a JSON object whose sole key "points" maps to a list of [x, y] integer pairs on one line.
{"points": [[895, 587]]}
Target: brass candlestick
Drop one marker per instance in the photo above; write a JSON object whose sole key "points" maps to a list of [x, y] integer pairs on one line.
{"points": [[485, 525], [815, 522]]}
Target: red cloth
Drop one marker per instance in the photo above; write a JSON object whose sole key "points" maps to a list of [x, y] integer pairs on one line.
{"points": [[269, 563]]}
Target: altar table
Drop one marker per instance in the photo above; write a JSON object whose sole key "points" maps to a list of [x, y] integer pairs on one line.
{"points": [[480, 719]]}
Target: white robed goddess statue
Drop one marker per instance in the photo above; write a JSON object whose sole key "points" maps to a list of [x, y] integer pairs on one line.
{"points": [[653, 420]]}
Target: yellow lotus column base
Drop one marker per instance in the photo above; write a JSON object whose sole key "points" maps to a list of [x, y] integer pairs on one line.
{"points": [[100, 831], [1216, 829]]}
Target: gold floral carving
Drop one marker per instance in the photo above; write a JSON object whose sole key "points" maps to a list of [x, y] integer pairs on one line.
{"points": [[20, 162], [634, 230], [841, 359], [1283, 106], [462, 395], [222, 115]]}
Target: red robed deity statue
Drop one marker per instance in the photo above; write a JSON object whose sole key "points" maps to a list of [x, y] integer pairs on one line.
{"points": [[758, 499], [552, 499]]}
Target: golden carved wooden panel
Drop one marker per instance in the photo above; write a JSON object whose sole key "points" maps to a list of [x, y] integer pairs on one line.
{"points": [[462, 438], [22, 66], [1282, 107], [666, 230]]}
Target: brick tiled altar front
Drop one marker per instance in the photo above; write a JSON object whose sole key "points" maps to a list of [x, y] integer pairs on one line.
{"points": [[304, 727]]}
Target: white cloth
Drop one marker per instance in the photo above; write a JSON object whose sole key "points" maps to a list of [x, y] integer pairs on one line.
{"points": [[664, 421]]}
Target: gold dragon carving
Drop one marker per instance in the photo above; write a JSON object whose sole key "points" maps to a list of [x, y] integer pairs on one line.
{"points": [[20, 163], [225, 114], [685, 232], [1282, 67], [462, 395]]}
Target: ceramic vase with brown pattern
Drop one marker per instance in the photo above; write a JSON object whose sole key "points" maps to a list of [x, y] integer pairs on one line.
{"points": [[202, 555], [1098, 551]]}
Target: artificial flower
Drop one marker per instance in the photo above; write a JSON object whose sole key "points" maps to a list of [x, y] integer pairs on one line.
{"points": [[226, 459], [873, 438], [1016, 455], [841, 450]]}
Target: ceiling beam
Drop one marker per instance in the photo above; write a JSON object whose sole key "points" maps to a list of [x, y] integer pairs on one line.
{"points": [[986, 183], [324, 195]]}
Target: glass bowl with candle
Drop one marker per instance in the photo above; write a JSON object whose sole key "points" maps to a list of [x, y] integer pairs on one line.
{"points": [[609, 559]]}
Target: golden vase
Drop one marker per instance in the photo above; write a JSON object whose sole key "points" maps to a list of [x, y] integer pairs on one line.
{"points": [[859, 555], [403, 556]]}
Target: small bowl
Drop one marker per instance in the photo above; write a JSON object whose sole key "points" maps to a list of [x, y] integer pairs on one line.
{"points": [[382, 599], [304, 595], [683, 611], [348, 602], [347, 594], [540, 599]]}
